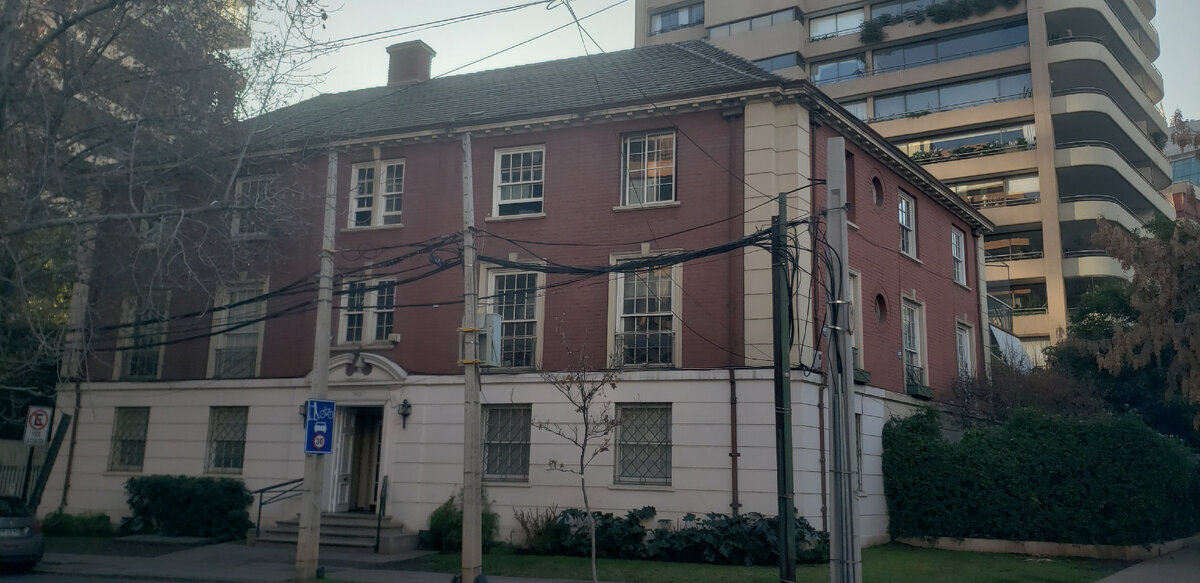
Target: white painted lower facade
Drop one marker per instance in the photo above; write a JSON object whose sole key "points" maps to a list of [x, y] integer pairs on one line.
{"points": [[421, 457]]}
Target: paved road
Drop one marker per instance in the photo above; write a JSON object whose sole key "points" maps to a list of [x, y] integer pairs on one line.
{"points": [[36, 577]]}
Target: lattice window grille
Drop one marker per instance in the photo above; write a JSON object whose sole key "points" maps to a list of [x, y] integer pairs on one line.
{"points": [[129, 439], [226, 439], [506, 443], [644, 444]]}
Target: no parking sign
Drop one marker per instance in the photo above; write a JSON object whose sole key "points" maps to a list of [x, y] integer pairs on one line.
{"points": [[37, 424], [318, 426]]}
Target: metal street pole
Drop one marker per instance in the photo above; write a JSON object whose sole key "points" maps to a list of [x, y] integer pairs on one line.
{"points": [[308, 540], [472, 535], [845, 550], [781, 330]]}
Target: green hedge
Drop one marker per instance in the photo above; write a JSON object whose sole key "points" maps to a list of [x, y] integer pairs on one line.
{"points": [[1106, 481], [188, 506], [86, 524]]}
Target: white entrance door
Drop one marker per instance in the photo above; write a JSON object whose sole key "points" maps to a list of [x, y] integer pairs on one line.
{"points": [[345, 459]]}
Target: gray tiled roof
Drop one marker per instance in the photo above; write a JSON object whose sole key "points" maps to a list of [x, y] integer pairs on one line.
{"points": [[625, 77]]}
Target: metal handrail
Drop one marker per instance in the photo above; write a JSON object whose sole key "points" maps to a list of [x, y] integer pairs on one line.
{"points": [[1099, 91], [279, 492], [963, 105], [983, 150], [383, 496], [1108, 146], [948, 58], [1099, 198]]}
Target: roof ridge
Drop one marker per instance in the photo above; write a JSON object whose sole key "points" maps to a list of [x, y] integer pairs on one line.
{"points": [[680, 46]]}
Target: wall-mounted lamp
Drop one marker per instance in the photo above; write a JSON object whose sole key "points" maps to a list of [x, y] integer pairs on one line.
{"points": [[405, 409]]}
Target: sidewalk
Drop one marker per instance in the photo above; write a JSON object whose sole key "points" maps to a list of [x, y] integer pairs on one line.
{"points": [[1181, 566], [237, 563]]}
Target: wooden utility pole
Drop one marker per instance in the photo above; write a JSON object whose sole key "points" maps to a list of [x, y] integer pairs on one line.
{"points": [[845, 556], [309, 537], [472, 495]]}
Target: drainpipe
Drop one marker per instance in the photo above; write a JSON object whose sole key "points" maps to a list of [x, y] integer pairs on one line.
{"points": [[733, 441]]}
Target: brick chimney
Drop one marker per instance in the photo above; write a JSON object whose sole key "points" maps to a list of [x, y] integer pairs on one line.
{"points": [[408, 63]]}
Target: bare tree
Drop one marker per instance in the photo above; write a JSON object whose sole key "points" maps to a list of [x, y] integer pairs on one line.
{"points": [[590, 432]]}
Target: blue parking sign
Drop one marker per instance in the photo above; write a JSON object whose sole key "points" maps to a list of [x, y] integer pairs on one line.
{"points": [[318, 426]]}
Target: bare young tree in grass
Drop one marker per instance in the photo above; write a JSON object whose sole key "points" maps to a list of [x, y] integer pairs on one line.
{"points": [[590, 432]]}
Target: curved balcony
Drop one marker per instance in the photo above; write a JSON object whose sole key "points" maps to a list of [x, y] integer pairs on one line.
{"points": [[1090, 208], [1148, 120], [1096, 118], [1112, 19], [1081, 264], [1088, 168], [1073, 61]]}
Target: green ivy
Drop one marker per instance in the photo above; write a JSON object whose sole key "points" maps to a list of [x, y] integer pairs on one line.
{"points": [[1037, 478], [940, 13], [188, 506]]}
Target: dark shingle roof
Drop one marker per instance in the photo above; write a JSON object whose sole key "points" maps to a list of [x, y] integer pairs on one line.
{"points": [[553, 87]]}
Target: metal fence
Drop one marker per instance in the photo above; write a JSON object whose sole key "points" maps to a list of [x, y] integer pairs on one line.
{"points": [[12, 478]]}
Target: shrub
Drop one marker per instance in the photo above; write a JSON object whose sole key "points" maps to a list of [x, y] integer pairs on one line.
{"points": [[1040, 478], [188, 506], [544, 534], [445, 526], [86, 524]]}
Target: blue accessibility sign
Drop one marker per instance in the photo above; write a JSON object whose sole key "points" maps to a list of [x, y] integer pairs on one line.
{"points": [[318, 426]]}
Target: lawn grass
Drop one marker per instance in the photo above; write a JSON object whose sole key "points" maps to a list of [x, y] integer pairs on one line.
{"points": [[893, 563]]}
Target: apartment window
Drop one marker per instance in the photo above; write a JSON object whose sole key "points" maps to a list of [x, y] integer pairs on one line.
{"points": [[856, 319], [144, 332], [643, 453], [518, 188], [1005, 191], [756, 23], [974, 144], [839, 24], [506, 442], [1025, 298], [156, 231], [514, 297], [857, 108], [951, 47], [368, 311], [1035, 347], [896, 8], [226, 440], [958, 251], [778, 62], [956, 96], [648, 166], [677, 18], [646, 324], [376, 194], [1013, 246], [251, 199], [908, 225], [962, 343], [913, 338], [237, 330], [128, 439], [842, 69]]}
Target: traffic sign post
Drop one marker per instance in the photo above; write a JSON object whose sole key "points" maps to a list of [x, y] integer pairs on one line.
{"points": [[37, 424], [318, 426]]}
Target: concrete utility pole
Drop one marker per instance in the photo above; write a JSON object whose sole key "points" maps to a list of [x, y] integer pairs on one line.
{"points": [[308, 540], [845, 552], [782, 332], [472, 535]]}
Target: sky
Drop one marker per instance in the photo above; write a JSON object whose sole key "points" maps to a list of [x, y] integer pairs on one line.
{"points": [[365, 65]]}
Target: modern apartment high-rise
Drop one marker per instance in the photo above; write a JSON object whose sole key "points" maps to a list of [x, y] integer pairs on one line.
{"points": [[1041, 113]]}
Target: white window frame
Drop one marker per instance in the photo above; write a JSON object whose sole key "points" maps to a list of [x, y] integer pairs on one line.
{"points": [[113, 466], [490, 413], [617, 316], [538, 185], [212, 456], [626, 169], [857, 14], [131, 314], [373, 313], [958, 251], [685, 12], [964, 347], [856, 323], [375, 192], [242, 188], [222, 339], [912, 315], [623, 443], [490, 277], [908, 224], [152, 231]]}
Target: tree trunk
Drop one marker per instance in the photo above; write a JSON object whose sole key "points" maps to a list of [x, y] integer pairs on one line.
{"points": [[587, 508]]}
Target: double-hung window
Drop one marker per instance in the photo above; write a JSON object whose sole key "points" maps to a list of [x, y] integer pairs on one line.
{"points": [[518, 181], [144, 331], [514, 297], [250, 199], [645, 332], [128, 439], [506, 442], [648, 168], [677, 18], [847, 22], [962, 343], [226, 440], [376, 194], [910, 326], [238, 328], [368, 312], [156, 229], [958, 251], [908, 225], [643, 454]]}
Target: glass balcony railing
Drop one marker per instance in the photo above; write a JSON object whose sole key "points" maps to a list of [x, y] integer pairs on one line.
{"points": [[1000, 314]]}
